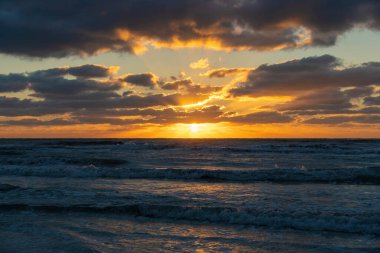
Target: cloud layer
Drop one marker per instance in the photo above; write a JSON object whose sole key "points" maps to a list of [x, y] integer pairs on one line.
{"points": [[318, 90], [56, 29], [305, 75]]}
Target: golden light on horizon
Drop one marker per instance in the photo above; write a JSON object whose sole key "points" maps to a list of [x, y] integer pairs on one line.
{"points": [[181, 130], [196, 130]]}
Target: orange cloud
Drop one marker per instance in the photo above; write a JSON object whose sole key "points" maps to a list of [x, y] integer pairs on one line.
{"points": [[200, 64], [226, 72]]}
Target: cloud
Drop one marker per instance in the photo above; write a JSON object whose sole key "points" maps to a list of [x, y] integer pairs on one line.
{"points": [[84, 71], [134, 101], [363, 119], [53, 84], [97, 101], [370, 110], [305, 75], [225, 72], [90, 87], [203, 89], [93, 94], [359, 91], [187, 86], [177, 84], [41, 81], [56, 88], [57, 95], [50, 29], [322, 101], [208, 114], [372, 100], [13, 83], [265, 117], [200, 64], [145, 79], [36, 122]]}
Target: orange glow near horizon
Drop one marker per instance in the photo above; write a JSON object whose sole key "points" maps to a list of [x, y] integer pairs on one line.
{"points": [[193, 130]]}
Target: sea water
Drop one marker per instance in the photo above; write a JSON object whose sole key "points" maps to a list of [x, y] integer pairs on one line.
{"points": [[189, 195]]}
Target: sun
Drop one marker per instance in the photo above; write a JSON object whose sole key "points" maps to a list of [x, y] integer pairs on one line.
{"points": [[194, 128]]}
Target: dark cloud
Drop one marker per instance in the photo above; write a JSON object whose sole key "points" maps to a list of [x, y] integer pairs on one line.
{"points": [[370, 110], [372, 100], [359, 91], [187, 85], [208, 114], [84, 71], [322, 101], [46, 28], [53, 93], [203, 89], [91, 102], [176, 99], [364, 111], [177, 84], [305, 75], [330, 101], [13, 83], [145, 79], [52, 83], [363, 119], [89, 71], [56, 88], [265, 117], [11, 107], [36, 122]]}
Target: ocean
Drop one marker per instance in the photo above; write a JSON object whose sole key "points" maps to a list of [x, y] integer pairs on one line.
{"points": [[189, 195]]}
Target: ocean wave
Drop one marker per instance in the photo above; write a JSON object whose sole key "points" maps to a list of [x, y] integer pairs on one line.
{"points": [[96, 162], [10, 151], [298, 149], [79, 142], [8, 187], [369, 175], [366, 223]]}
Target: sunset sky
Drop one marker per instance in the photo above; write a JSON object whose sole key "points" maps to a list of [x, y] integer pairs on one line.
{"points": [[190, 68]]}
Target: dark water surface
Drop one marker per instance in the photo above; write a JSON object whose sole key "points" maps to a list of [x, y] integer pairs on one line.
{"points": [[177, 195]]}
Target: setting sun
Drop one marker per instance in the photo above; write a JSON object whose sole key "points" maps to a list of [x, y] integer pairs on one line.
{"points": [[194, 128]]}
